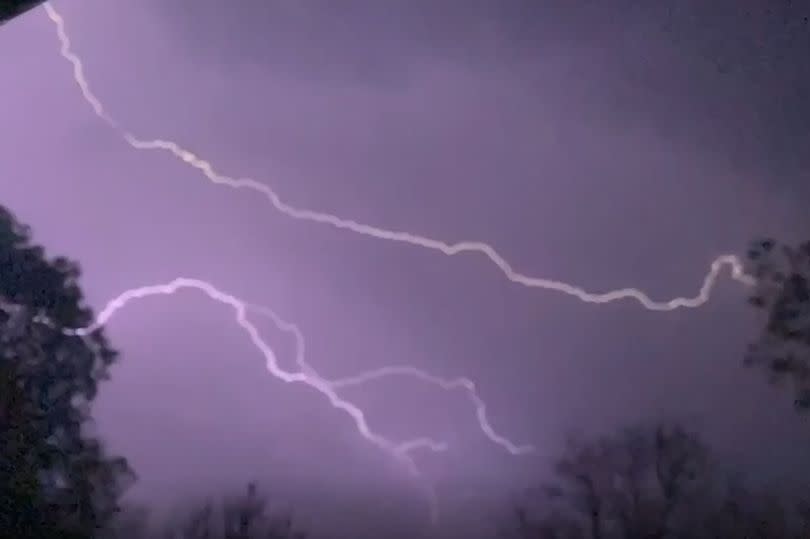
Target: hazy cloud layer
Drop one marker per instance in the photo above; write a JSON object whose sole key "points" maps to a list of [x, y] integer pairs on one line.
{"points": [[608, 147]]}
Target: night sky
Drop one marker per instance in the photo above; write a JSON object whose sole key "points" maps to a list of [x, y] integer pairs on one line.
{"points": [[605, 144]]}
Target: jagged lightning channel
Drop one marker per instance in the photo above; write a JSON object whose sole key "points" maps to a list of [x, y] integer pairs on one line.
{"points": [[394, 371], [446, 384], [401, 451], [308, 375], [732, 261], [306, 369]]}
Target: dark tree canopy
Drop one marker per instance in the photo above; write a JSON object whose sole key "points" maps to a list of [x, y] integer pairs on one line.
{"points": [[13, 8], [656, 482], [783, 294], [53, 475], [246, 516]]}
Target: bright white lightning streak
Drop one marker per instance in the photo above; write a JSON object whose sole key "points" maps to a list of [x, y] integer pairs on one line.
{"points": [[737, 271], [307, 373], [399, 451], [446, 384], [311, 378], [290, 328], [384, 372]]}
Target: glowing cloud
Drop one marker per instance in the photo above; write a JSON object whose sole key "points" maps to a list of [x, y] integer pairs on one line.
{"points": [[737, 272], [329, 389], [400, 451]]}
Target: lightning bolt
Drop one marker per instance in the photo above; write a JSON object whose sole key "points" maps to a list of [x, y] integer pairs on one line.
{"points": [[308, 375], [449, 249], [401, 451], [447, 384], [384, 372]]}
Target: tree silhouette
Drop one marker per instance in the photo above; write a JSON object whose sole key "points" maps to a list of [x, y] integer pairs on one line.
{"points": [[14, 8], [783, 293], [240, 517], [652, 483], [55, 480]]}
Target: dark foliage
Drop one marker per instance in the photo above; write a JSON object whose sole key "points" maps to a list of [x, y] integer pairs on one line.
{"points": [[240, 517], [55, 480], [783, 294], [13, 8], [652, 483]]}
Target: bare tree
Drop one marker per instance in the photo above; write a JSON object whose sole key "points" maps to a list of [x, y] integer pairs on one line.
{"points": [[650, 483], [783, 293], [240, 517], [762, 514], [131, 522]]}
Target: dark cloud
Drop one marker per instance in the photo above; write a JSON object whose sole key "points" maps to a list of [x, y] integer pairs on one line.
{"points": [[604, 143], [731, 76]]}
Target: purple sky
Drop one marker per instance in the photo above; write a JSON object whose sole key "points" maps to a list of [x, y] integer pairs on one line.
{"points": [[604, 147]]}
